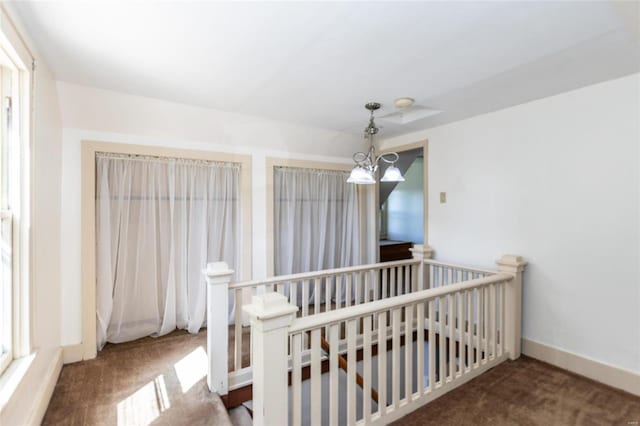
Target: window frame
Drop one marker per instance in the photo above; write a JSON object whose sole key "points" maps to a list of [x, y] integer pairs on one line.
{"points": [[6, 222], [6, 298], [16, 83]]}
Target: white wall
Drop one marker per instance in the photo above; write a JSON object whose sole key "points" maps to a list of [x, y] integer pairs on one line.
{"points": [[556, 181], [112, 112], [93, 114], [45, 229], [27, 403]]}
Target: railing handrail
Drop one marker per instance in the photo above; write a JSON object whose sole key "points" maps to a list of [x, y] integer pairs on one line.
{"points": [[456, 266], [323, 273], [357, 311]]}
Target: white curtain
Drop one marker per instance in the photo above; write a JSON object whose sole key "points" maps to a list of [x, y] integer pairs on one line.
{"points": [[159, 221], [317, 221]]}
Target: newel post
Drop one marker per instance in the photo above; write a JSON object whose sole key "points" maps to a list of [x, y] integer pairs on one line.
{"points": [[218, 277], [271, 315], [422, 252], [513, 265]]}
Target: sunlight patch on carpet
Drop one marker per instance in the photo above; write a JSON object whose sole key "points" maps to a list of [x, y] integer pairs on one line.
{"points": [[145, 405], [191, 368]]}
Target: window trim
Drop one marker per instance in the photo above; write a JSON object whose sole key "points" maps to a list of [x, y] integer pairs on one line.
{"points": [[17, 57], [7, 152]]}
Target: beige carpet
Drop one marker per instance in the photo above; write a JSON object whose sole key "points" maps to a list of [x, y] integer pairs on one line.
{"points": [[529, 392], [162, 381], [149, 381]]}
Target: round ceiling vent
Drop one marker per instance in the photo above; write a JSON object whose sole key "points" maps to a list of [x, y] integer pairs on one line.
{"points": [[403, 102]]}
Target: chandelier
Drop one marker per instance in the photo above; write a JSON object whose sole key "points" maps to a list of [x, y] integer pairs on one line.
{"points": [[367, 163]]}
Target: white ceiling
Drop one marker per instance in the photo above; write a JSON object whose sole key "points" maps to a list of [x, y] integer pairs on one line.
{"points": [[318, 63]]}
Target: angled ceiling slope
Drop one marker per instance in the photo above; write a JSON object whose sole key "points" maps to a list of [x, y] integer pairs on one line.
{"points": [[318, 63]]}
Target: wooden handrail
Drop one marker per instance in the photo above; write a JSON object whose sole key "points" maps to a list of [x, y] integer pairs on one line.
{"points": [[342, 362]]}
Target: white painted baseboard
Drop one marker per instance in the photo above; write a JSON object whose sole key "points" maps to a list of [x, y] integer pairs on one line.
{"points": [[73, 353], [616, 377]]}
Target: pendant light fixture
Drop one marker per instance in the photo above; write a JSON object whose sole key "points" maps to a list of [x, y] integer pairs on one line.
{"points": [[367, 163]]}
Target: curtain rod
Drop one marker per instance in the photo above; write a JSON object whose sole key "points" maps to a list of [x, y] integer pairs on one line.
{"points": [[164, 159], [165, 198], [311, 169]]}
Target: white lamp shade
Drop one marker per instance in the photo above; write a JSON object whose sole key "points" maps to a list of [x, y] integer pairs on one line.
{"points": [[392, 174], [361, 176]]}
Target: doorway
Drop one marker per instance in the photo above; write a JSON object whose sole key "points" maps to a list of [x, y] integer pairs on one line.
{"points": [[402, 205]]}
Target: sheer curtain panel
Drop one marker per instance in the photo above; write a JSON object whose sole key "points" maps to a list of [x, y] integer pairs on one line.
{"points": [[158, 222], [317, 221]]}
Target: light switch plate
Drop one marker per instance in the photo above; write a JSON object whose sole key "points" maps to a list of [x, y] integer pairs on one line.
{"points": [[443, 197]]}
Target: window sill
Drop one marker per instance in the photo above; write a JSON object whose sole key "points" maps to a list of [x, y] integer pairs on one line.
{"points": [[11, 378], [27, 385]]}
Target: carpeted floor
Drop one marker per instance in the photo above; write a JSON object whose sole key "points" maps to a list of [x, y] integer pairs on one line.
{"points": [[162, 381], [149, 381], [529, 392]]}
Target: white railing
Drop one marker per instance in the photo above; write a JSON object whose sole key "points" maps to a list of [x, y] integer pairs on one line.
{"points": [[438, 274], [312, 292], [331, 289], [398, 352]]}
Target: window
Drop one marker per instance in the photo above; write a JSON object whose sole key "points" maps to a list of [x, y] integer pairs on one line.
{"points": [[14, 203], [7, 173]]}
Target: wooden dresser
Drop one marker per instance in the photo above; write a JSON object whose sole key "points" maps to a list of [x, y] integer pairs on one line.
{"points": [[395, 250]]}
